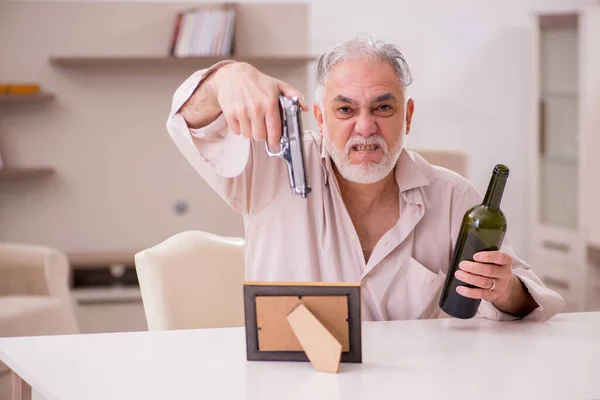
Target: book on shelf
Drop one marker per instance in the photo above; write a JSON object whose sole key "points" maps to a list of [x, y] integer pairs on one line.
{"points": [[203, 32], [19, 89]]}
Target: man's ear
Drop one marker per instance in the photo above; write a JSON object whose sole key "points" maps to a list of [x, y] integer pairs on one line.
{"points": [[319, 117], [410, 109]]}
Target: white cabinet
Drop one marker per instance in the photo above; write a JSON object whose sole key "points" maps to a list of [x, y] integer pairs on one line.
{"points": [[565, 121]]}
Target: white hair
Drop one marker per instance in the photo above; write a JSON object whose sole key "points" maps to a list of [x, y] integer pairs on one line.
{"points": [[361, 46]]}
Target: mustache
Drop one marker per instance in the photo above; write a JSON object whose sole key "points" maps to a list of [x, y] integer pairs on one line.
{"points": [[366, 141]]}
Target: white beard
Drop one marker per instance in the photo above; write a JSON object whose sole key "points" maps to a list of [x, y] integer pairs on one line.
{"points": [[366, 172]]}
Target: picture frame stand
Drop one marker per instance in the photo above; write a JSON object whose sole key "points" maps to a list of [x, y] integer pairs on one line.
{"points": [[321, 347]]}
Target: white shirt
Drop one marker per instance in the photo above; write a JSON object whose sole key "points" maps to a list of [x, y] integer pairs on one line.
{"points": [[290, 238]]}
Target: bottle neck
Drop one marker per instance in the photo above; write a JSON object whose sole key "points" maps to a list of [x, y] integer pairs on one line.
{"points": [[495, 190]]}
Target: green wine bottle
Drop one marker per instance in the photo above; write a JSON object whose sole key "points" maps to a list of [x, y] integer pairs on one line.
{"points": [[483, 228]]}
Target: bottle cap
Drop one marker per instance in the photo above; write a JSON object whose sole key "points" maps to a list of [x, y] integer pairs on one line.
{"points": [[500, 169]]}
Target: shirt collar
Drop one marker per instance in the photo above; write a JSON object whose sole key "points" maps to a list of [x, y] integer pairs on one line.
{"points": [[408, 174]]}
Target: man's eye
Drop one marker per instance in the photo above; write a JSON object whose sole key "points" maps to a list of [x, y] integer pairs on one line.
{"points": [[384, 107], [345, 110]]}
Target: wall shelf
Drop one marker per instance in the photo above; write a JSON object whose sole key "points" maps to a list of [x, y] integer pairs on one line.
{"points": [[25, 173], [21, 99], [140, 61]]}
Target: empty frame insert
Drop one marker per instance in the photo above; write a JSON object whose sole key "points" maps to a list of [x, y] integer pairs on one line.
{"points": [[269, 335]]}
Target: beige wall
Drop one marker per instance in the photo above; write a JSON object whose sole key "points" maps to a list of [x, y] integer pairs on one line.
{"points": [[468, 97], [118, 173]]}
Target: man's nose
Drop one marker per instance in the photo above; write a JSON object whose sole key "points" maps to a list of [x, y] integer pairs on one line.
{"points": [[365, 124]]}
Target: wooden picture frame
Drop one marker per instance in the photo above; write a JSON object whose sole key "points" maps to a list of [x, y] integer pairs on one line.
{"points": [[269, 336]]}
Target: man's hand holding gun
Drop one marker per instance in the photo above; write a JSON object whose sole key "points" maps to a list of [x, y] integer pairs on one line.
{"points": [[257, 107]]}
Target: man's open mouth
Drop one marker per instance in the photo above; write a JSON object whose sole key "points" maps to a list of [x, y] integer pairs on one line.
{"points": [[362, 147]]}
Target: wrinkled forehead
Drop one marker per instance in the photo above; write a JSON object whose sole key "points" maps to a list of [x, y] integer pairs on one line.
{"points": [[363, 81]]}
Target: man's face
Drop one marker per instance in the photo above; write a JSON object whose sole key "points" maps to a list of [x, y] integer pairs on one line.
{"points": [[364, 119]]}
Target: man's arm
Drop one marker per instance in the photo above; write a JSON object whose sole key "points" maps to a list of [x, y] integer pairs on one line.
{"points": [[248, 99], [216, 114], [517, 300], [202, 108]]}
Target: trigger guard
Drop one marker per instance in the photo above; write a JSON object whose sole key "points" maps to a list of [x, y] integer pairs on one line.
{"points": [[283, 144]]}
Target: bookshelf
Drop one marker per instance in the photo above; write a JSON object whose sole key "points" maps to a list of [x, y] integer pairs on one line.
{"points": [[263, 34], [109, 64], [25, 99], [141, 61], [10, 173], [21, 173]]}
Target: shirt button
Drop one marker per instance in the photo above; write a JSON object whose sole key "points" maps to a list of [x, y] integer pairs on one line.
{"points": [[353, 236]]}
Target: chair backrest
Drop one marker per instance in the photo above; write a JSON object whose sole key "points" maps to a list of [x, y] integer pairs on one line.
{"points": [[455, 160], [193, 280]]}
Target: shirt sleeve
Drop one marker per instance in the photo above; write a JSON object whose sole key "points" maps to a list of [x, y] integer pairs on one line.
{"points": [[549, 302], [229, 163]]}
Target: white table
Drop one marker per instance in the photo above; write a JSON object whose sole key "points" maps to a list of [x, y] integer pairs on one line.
{"points": [[440, 359]]}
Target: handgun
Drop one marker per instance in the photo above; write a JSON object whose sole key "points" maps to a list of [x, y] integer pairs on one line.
{"points": [[292, 144]]}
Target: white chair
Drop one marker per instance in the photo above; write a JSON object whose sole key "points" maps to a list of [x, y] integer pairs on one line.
{"points": [[455, 160], [193, 280], [34, 296]]}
